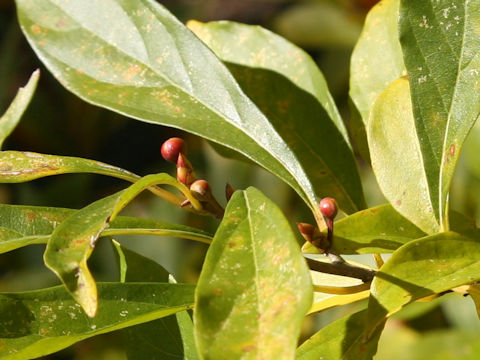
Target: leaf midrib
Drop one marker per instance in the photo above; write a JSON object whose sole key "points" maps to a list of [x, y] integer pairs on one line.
{"points": [[207, 106]]}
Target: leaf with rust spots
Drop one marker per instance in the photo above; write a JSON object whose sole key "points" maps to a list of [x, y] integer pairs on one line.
{"points": [[149, 66], [17, 167], [380, 229], [441, 46], [396, 154], [259, 314], [287, 86], [12, 116], [73, 241], [27, 225], [423, 267], [172, 336], [36, 323]]}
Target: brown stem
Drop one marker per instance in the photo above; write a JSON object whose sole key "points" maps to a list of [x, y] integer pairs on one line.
{"points": [[341, 268]]}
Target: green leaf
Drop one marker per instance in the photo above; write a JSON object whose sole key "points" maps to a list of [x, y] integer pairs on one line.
{"points": [[319, 24], [27, 225], [380, 229], [168, 338], [41, 322], [441, 45], [421, 268], [12, 116], [396, 153], [149, 66], [18, 166], [259, 48], [441, 344], [342, 339], [73, 241], [287, 86], [377, 58], [259, 314]]}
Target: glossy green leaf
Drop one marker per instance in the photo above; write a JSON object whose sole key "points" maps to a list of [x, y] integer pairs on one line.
{"points": [[41, 322], [168, 338], [12, 116], [257, 47], [27, 225], [421, 268], [395, 150], [254, 289], [290, 90], [441, 45], [377, 58], [149, 66], [73, 241], [342, 339], [380, 229]]}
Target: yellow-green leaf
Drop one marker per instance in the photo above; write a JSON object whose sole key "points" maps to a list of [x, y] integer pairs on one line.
{"points": [[254, 289], [37, 323], [12, 116], [73, 241], [396, 153], [421, 268]]}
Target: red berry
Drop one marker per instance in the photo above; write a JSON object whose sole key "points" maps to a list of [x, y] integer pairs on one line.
{"points": [[328, 207], [172, 148]]}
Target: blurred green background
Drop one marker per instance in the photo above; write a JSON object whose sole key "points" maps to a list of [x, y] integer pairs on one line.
{"points": [[59, 123]]}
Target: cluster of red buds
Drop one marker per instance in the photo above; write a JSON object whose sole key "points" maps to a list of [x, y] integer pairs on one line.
{"points": [[174, 151]]}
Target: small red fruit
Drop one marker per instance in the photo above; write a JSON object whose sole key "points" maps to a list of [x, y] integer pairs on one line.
{"points": [[172, 148], [328, 207]]}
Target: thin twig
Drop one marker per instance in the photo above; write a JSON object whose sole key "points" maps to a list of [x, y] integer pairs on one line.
{"points": [[342, 268]]}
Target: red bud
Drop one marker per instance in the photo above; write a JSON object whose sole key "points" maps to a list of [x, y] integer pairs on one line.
{"points": [[306, 230], [200, 187], [185, 172]]}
